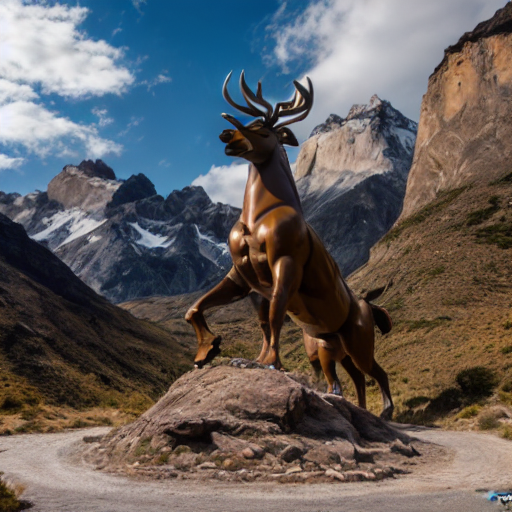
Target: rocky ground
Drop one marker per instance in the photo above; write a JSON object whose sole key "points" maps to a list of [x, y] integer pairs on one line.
{"points": [[254, 424]]}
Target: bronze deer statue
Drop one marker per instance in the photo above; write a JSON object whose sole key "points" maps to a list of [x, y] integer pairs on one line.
{"points": [[278, 255]]}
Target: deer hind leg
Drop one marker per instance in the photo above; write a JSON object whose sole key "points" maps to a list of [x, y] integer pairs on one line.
{"points": [[322, 356], [357, 377], [230, 289], [382, 379]]}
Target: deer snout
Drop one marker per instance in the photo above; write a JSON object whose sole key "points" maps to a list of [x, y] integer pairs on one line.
{"points": [[226, 135]]}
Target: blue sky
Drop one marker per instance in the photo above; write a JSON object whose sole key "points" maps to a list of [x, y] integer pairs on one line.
{"points": [[138, 83]]}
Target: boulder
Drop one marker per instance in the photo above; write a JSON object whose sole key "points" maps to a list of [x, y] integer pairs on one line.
{"points": [[249, 422]]}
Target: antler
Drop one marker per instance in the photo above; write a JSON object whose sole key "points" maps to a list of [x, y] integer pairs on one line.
{"points": [[252, 110], [301, 103]]}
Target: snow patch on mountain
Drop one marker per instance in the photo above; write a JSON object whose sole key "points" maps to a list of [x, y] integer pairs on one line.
{"points": [[74, 222], [149, 240]]}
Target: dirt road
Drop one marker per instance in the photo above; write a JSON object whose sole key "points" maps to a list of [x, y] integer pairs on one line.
{"points": [[57, 480]]}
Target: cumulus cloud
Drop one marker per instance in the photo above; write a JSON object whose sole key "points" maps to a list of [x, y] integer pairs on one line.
{"points": [[41, 44], [356, 48], [43, 132], [6, 162], [41, 49], [225, 184]]}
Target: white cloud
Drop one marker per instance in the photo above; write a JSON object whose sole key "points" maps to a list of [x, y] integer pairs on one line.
{"points": [[6, 162], [135, 121], [361, 47], [162, 78], [43, 132], [41, 44], [225, 184], [102, 113], [164, 163], [138, 5]]}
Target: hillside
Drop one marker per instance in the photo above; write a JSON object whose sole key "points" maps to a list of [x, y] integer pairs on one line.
{"points": [[62, 345]]}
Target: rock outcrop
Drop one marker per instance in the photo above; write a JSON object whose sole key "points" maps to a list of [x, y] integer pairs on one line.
{"points": [[351, 176], [85, 187], [253, 424], [465, 115]]}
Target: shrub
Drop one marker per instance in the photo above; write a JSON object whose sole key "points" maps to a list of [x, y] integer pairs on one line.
{"points": [[506, 432], [469, 412], [9, 502], [477, 382], [488, 422]]}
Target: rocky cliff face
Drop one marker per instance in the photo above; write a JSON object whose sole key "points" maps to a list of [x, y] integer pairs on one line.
{"points": [[121, 238], [90, 186], [465, 115], [351, 175]]}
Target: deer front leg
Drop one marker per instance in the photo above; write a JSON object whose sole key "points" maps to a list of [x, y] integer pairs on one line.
{"points": [[286, 280], [230, 289], [262, 306]]}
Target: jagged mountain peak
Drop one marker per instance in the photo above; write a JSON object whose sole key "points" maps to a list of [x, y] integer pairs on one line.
{"points": [[90, 186], [97, 169], [121, 237], [134, 188], [379, 113]]}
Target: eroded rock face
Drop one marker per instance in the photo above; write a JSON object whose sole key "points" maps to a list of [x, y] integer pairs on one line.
{"points": [[351, 175], [465, 115], [85, 187], [260, 422]]}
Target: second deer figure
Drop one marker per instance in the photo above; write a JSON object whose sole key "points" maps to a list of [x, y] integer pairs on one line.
{"points": [[278, 255]]}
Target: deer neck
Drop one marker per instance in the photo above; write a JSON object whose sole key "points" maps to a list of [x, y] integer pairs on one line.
{"points": [[269, 186]]}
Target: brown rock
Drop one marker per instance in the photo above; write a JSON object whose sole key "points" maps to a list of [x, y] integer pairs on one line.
{"points": [[291, 453], [465, 115], [331, 473], [205, 412], [248, 453]]}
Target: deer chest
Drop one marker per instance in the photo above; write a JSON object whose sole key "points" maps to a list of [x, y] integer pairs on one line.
{"points": [[248, 250]]}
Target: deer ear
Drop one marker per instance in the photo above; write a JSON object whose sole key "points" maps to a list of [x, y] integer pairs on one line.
{"points": [[285, 136]]}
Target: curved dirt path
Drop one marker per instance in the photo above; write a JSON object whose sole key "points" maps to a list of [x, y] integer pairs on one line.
{"points": [[57, 480]]}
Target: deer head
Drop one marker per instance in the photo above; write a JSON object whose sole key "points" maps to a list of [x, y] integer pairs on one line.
{"points": [[257, 140]]}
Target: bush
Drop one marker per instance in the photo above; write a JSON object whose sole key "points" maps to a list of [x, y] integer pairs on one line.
{"points": [[477, 382], [9, 501], [488, 422]]}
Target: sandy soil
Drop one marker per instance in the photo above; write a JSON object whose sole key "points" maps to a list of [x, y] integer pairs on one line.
{"points": [[56, 479]]}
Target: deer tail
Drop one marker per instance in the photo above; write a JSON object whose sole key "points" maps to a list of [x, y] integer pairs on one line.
{"points": [[381, 318]]}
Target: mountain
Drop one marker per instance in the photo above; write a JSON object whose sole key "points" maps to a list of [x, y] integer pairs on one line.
{"points": [[351, 175], [123, 239], [464, 131], [449, 256], [63, 344]]}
